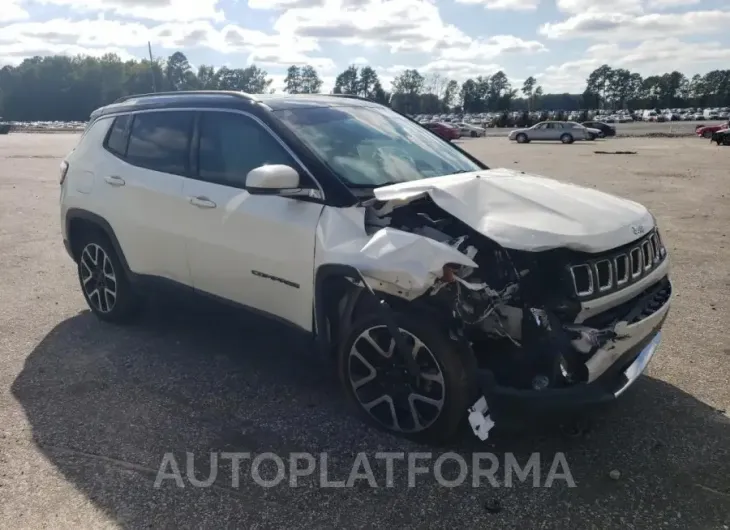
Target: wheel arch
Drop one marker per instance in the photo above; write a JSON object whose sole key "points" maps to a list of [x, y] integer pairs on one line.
{"points": [[80, 222], [339, 299]]}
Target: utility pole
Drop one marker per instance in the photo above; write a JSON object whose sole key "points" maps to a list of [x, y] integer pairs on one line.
{"points": [[152, 67]]}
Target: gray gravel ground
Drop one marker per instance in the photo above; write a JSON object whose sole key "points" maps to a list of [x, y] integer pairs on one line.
{"points": [[87, 410]]}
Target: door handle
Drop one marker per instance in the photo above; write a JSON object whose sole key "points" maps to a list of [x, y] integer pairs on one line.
{"points": [[202, 202], [114, 180]]}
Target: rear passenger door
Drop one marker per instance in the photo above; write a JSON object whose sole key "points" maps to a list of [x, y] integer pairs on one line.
{"points": [[255, 250], [140, 190]]}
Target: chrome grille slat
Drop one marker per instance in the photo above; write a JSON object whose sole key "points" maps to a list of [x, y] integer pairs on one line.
{"points": [[637, 261], [616, 270], [646, 255], [624, 258], [604, 277]]}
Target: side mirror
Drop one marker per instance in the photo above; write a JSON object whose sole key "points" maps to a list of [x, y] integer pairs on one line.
{"points": [[275, 179]]}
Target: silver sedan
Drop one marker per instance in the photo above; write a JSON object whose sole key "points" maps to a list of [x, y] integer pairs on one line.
{"points": [[562, 131]]}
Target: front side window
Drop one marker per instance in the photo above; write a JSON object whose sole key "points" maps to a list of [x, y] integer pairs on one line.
{"points": [[160, 141], [231, 145], [374, 146]]}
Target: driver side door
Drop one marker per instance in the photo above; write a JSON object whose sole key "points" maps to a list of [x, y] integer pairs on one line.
{"points": [[255, 250], [538, 132]]}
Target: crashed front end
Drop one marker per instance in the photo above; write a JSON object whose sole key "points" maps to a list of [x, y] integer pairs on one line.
{"points": [[549, 328]]}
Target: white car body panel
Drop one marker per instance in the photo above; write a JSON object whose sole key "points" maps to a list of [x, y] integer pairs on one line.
{"points": [[150, 232], [402, 263], [528, 212], [256, 250]]}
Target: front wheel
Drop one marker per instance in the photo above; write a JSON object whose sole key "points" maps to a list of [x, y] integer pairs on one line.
{"points": [[707, 134], [521, 138], [426, 408], [591, 137], [566, 138]]}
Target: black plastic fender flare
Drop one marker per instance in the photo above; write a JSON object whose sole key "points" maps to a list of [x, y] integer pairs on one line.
{"points": [[78, 213]]}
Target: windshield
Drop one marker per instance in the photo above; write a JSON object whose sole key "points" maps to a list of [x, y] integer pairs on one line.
{"points": [[373, 146]]}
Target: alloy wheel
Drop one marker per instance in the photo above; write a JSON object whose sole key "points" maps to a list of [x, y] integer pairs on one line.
{"points": [[385, 389], [98, 278]]}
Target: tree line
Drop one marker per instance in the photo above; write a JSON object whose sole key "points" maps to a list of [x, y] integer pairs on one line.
{"points": [[69, 88]]}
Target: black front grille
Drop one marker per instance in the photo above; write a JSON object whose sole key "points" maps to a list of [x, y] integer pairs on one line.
{"points": [[613, 270]]}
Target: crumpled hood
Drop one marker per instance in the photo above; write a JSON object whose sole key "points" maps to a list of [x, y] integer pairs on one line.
{"points": [[529, 212]]}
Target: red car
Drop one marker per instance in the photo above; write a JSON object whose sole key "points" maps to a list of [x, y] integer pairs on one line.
{"points": [[447, 132], [705, 131]]}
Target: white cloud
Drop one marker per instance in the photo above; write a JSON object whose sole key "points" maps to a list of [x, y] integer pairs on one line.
{"points": [[162, 10], [667, 4], [485, 49], [86, 36], [609, 26], [652, 57], [404, 26], [12, 11], [515, 5], [576, 7]]}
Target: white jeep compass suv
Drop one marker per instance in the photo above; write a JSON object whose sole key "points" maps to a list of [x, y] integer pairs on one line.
{"points": [[441, 288]]}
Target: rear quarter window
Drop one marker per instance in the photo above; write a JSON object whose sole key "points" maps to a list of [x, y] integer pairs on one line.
{"points": [[118, 137]]}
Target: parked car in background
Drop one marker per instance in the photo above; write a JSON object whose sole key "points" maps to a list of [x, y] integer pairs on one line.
{"points": [[705, 131], [605, 129], [447, 132], [721, 137], [563, 131], [467, 129]]}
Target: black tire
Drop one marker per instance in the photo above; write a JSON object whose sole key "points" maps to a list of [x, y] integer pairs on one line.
{"points": [[707, 134], [126, 303], [457, 389], [521, 138], [567, 138], [591, 137]]}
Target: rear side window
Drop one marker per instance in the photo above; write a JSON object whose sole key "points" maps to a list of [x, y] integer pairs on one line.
{"points": [[231, 145], [160, 141], [116, 142]]}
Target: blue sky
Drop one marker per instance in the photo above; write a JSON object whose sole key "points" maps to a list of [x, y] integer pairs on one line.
{"points": [[558, 41]]}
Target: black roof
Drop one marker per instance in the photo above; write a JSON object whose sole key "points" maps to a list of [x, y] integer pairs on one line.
{"points": [[229, 99]]}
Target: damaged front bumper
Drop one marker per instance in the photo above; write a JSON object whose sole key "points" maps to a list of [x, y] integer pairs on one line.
{"points": [[611, 371]]}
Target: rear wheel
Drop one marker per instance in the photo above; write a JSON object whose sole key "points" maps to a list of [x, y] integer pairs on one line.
{"points": [[429, 407], [104, 282], [566, 138]]}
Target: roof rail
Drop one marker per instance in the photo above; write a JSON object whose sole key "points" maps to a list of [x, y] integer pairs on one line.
{"points": [[352, 96], [185, 92]]}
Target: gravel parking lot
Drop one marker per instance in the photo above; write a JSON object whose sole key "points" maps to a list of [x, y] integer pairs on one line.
{"points": [[87, 410]]}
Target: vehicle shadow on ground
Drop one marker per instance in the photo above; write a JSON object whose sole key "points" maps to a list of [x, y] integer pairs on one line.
{"points": [[106, 403]]}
